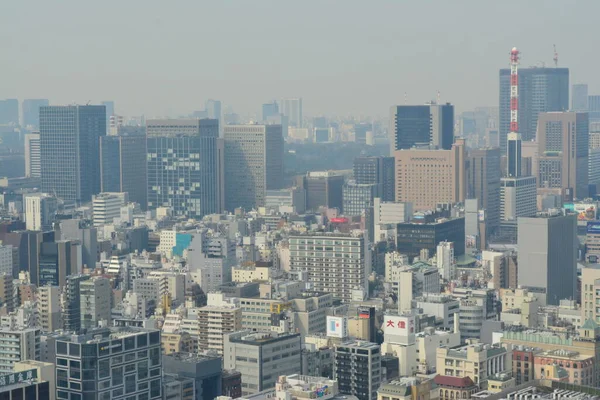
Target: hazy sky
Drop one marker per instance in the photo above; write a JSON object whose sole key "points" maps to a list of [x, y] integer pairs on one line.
{"points": [[342, 57]]}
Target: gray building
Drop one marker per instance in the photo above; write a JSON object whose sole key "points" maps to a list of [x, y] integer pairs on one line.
{"points": [[422, 125], [377, 170], [185, 166], [262, 357], [579, 97], [358, 197], [205, 370], [540, 90], [323, 189], [9, 112], [95, 302], [254, 155], [30, 109], [33, 163], [123, 166], [110, 363], [70, 150], [269, 110], [292, 109], [483, 184], [72, 309], [357, 368], [547, 256], [518, 198]]}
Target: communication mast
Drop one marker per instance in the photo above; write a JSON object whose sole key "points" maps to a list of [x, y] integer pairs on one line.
{"points": [[514, 90], [555, 56]]}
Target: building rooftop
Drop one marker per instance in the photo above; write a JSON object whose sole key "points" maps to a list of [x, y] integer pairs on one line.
{"points": [[102, 334], [454, 381]]}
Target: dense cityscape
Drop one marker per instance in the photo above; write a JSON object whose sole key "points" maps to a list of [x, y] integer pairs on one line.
{"points": [[429, 254]]}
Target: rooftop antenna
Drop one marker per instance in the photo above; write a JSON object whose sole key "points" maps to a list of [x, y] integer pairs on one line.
{"points": [[555, 57], [405, 98], [438, 97]]}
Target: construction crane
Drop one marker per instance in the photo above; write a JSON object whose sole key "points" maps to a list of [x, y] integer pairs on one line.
{"points": [[555, 57]]}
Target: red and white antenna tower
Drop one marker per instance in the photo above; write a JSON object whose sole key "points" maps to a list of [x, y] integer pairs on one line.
{"points": [[514, 90]]}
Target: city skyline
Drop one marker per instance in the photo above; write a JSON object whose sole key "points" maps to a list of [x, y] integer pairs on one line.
{"points": [[398, 55]]}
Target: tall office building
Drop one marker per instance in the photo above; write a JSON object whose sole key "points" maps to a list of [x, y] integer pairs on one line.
{"points": [[426, 125], [563, 148], [323, 189], [254, 155], [269, 110], [349, 269], [72, 305], [110, 363], [185, 166], [376, 170], [70, 155], [33, 163], [123, 166], [590, 287], [58, 260], [110, 110], [106, 207], [484, 184], [9, 112], [547, 256], [514, 156], [213, 109], [40, 211], [540, 90], [94, 300], [428, 177], [358, 197], [518, 197], [357, 369], [262, 357], [30, 108], [579, 97], [594, 107], [292, 109]]}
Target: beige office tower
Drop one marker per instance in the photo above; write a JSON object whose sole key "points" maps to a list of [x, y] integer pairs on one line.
{"points": [[427, 177], [253, 164], [563, 148], [590, 287]]}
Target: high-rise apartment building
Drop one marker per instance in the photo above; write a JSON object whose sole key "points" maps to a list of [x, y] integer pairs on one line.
{"points": [[9, 112], [70, 155], [425, 125], [214, 321], [428, 177], [335, 263], [292, 109], [110, 363], [540, 90], [185, 166], [376, 170], [72, 305], [579, 97], [30, 108], [548, 250], [483, 184], [48, 298], [262, 357], [323, 189], [33, 166], [357, 369], [40, 210], [563, 140], [123, 166], [18, 343], [94, 300], [254, 155]]}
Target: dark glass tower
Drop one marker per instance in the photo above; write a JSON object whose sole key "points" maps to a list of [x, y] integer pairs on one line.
{"points": [[185, 166], [514, 155], [376, 170], [428, 124], [70, 150], [540, 90]]}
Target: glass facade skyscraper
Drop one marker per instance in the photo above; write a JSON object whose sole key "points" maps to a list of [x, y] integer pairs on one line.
{"points": [[69, 148], [185, 166]]}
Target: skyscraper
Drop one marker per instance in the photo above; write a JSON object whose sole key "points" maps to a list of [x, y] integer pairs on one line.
{"points": [[185, 166], [269, 110], [484, 184], [213, 109], [33, 166], [514, 158], [123, 166], [254, 155], [110, 110], [69, 147], [429, 124], [540, 90], [40, 210], [9, 112], [518, 194], [563, 140], [30, 109], [547, 256], [292, 109], [323, 189], [428, 177], [376, 170], [579, 97]]}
